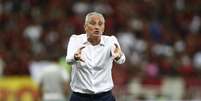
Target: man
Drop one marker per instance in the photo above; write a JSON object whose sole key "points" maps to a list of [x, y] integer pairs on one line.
{"points": [[53, 83], [91, 56]]}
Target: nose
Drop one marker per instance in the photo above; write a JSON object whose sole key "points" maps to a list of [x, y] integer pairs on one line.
{"points": [[96, 27]]}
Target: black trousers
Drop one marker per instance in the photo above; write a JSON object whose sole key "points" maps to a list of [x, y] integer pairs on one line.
{"points": [[105, 96]]}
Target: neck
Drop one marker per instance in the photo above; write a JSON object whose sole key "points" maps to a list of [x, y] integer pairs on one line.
{"points": [[94, 40]]}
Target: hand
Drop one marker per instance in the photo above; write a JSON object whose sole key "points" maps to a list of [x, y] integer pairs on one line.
{"points": [[77, 55], [117, 52]]}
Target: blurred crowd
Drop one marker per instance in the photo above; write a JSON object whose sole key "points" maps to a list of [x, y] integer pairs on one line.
{"points": [[160, 38]]}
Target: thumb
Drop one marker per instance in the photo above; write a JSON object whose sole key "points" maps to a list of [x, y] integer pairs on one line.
{"points": [[116, 46]]}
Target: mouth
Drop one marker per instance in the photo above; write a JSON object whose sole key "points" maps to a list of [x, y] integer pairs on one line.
{"points": [[97, 32]]}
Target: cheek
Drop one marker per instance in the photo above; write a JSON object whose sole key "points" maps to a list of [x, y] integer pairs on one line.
{"points": [[89, 28], [103, 28], [86, 29]]}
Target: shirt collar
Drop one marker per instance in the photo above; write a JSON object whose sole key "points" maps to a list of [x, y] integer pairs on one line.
{"points": [[87, 42]]}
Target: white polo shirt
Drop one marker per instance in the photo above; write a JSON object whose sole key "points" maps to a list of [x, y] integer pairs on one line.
{"points": [[95, 74]]}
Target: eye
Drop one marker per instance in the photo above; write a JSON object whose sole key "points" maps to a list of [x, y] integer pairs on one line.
{"points": [[100, 23], [92, 22]]}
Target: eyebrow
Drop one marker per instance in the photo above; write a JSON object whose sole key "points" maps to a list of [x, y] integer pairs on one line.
{"points": [[93, 21]]}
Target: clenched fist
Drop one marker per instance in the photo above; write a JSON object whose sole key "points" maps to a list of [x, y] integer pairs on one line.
{"points": [[117, 52], [77, 55]]}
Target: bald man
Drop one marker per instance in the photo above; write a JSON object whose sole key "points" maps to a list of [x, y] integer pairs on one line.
{"points": [[91, 55]]}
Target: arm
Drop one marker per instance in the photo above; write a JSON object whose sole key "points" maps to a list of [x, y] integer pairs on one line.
{"points": [[40, 88], [74, 50], [40, 91], [66, 78], [116, 51], [71, 50]]}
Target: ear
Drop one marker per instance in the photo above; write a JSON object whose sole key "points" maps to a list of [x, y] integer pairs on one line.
{"points": [[85, 26]]}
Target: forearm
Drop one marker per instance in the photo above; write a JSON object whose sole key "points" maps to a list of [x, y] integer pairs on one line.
{"points": [[71, 50], [70, 59]]}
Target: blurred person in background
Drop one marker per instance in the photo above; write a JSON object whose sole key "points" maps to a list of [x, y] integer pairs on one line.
{"points": [[1, 67], [53, 83], [91, 55]]}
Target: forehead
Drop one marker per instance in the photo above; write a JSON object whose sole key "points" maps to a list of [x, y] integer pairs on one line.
{"points": [[96, 18]]}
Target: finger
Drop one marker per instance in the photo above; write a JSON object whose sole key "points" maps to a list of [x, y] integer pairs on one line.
{"points": [[77, 53], [76, 56], [116, 46], [82, 60], [81, 48]]}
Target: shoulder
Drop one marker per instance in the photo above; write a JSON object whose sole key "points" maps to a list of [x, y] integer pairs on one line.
{"points": [[109, 38], [77, 36]]}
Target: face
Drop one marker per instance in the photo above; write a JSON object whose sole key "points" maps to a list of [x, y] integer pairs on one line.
{"points": [[95, 26]]}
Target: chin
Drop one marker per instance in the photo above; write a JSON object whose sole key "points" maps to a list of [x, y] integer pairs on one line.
{"points": [[96, 35]]}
